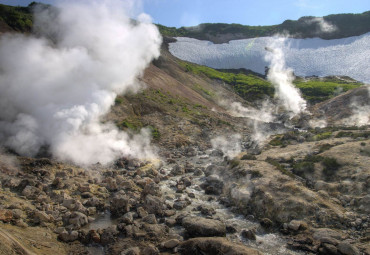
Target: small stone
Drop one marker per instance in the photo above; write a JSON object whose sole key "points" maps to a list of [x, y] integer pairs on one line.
{"points": [[249, 234], [151, 219], [150, 250], [141, 212], [131, 251], [329, 249]]}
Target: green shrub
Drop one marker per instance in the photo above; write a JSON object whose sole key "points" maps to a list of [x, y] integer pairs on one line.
{"points": [[325, 147], [234, 162], [155, 132], [118, 100], [301, 168], [330, 166], [313, 158], [279, 167], [248, 157], [322, 136]]}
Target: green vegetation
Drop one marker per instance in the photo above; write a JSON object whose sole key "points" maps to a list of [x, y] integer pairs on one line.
{"points": [[135, 125], [17, 18], [155, 132], [325, 147], [234, 162], [132, 124], [252, 87], [301, 168], [248, 157], [279, 167], [307, 165], [277, 141], [318, 90], [353, 134], [118, 100], [330, 166], [322, 136], [347, 24]]}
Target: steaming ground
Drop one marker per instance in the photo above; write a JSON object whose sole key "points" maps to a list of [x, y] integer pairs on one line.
{"points": [[54, 92], [315, 56]]}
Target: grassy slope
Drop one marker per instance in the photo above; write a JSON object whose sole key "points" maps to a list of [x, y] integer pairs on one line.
{"points": [[17, 18], [347, 24], [252, 87]]}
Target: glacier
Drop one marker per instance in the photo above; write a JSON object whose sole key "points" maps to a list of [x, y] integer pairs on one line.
{"points": [[307, 57]]}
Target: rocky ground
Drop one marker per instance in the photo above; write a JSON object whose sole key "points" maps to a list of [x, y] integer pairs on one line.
{"points": [[284, 199]]}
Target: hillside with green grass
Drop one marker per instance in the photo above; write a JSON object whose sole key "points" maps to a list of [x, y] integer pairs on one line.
{"points": [[347, 25], [17, 18], [251, 87]]}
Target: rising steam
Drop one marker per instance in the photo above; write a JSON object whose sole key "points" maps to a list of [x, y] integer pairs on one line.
{"points": [[230, 145], [323, 25], [282, 78], [55, 88]]}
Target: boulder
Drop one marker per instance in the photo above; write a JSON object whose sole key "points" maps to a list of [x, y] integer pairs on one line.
{"points": [[199, 227], [170, 244], [68, 236], [6, 215], [213, 185], [177, 170], [154, 205], [78, 219], [109, 235], [347, 249], [120, 204], [214, 246]]}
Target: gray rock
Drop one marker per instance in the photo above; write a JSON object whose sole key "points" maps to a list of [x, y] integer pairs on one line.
{"points": [[213, 185], [154, 205], [347, 249], [170, 244], [120, 204], [131, 251], [78, 219], [329, 249], [68, 236], [181, 204], [198, 226], [249, 234], [150, 250], [41, 217], [177, 170], [214, 245], [109, 235], [31, 192], [151, 219], [324, 233]]}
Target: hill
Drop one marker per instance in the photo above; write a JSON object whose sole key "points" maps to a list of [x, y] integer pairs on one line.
{"points": [[306, 27]]}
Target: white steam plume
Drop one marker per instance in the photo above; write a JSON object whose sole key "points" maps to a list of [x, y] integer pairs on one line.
{"points": [[323, 25], [360, 112], [282, 78], [264, 113], [230, 145], [54, 93]]}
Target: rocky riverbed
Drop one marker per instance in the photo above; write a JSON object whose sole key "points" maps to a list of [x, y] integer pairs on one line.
{"points": [[194, 200]]}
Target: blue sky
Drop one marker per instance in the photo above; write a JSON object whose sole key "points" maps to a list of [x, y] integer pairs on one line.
{"points": [[248, 12]]}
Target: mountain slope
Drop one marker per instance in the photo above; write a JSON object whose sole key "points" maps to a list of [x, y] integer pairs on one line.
{"points": [[306, 27]]}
